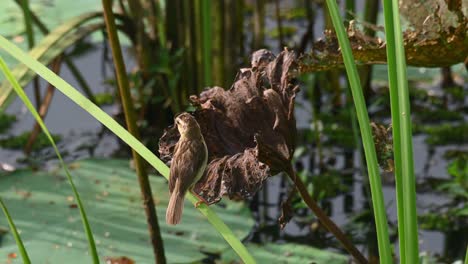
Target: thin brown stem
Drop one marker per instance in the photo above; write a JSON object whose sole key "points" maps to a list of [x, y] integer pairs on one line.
{"points": [[279, 25], [147, 197], [44, 107], [324, 219]]}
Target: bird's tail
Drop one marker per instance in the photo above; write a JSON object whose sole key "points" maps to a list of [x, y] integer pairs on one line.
{"points": [[175, 208]]}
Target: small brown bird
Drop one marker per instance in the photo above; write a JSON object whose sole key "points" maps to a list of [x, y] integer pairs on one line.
{"points": [[187, 166]]}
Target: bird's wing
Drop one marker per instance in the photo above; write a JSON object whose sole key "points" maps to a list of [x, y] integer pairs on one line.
{"points": [[189, 156], [173, 169]]}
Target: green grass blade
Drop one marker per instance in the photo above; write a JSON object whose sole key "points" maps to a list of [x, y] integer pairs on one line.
{"points": [[395, 112], [406, 144], [19, 242], [6, 71], [125, 136], [366, 134]]}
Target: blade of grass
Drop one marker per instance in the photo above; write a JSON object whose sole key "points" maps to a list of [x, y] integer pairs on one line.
{"points": [[126, 137], [395, 112], [407, 191], [366, 134], [91, 244], [19, 242]]}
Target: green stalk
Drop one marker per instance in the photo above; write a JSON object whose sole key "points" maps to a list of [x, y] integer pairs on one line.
{"points": [[259, 24], [206, 41], [129, 111], [366, 134], [19, 242], [406, 190], [196, 26], [160, 26], [350, 9], [27, 102], [28, 23], [218, 43], [30, 38], [395, 112], [279, 25], [466, 257], [125, 136]]}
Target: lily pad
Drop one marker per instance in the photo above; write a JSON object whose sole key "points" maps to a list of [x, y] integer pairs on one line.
{"points": [[44, 211], [288, 253]]}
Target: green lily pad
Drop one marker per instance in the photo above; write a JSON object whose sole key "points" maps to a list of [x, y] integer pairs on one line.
{"points": [[288, 253], [42, 206]]}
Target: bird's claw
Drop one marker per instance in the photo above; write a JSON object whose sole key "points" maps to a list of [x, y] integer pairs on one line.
{"points": [[197, 205]]}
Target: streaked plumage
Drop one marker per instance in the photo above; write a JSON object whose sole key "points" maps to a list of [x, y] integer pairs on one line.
{"points": [[187, 166]]}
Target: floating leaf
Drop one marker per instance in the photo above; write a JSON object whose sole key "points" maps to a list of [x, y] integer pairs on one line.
{"points": [[288, 253], [51, 229]]}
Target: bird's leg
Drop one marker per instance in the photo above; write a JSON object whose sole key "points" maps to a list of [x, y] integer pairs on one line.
{"points": [[201, 200]]}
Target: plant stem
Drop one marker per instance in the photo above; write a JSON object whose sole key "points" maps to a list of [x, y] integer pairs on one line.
{"points": [[206, 41], [142, 43], [371, 12], [44, 107], [350, 10], [218, 43], [324, 219], [279, 25], [406, 191], [309, 35], [148, 202], [19, 242], [466, 257], [366, 134], [259, 24], [30, 37], [395, 112]]}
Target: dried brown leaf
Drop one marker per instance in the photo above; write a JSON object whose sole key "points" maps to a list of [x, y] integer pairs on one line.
{"points": [[249, 129]]}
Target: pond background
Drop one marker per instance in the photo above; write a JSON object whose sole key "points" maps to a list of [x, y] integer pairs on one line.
{"points": [[345, 199]]}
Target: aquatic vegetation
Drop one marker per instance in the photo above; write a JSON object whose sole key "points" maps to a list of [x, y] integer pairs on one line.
{"points": [[104, 99], [19, 141], [6, 121], [285, 30], [446, 134]]}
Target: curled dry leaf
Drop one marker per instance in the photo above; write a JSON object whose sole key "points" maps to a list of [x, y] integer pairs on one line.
{"points": [[249, 129]]}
